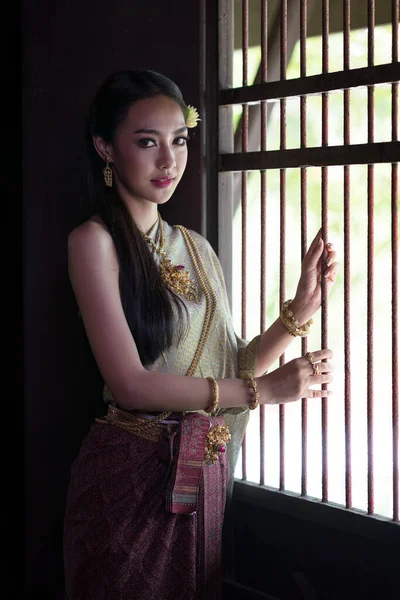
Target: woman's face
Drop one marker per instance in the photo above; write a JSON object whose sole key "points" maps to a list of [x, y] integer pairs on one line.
{"points": [[149, 151]]}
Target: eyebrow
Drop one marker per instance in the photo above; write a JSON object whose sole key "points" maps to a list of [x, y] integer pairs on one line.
{"points": [[156, 132]]}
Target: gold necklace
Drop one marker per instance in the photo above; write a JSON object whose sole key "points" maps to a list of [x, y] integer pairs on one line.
{"points": [[211, 305], [211, 298], [175, 277]]}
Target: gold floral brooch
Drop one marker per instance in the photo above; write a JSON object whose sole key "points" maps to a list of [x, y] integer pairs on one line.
{"points": [[216, 441]]}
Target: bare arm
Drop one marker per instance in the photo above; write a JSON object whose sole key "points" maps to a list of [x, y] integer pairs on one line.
{"points": [[94, 272]]}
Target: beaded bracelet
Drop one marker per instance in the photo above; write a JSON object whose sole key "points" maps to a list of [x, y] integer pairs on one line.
{"points": [[291, 324], [255, 401], [212, 407]]}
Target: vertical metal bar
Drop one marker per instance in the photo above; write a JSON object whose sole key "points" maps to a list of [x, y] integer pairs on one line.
{"points": [[283, 62], [224, 122], [395, 341], [324, 222], [370, 271], [347, 263], [303, 210], [264, 70], [395, 32], [264, 40], [395, 270], [244, 252], [245, 130], [208, 72], [263, 175], [245, 39]]}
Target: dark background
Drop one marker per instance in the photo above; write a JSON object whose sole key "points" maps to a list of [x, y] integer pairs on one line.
{"points": [[68, 48]]}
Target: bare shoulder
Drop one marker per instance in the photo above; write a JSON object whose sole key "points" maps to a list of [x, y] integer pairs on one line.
{"points": [[90, 235], [91, 248], [91, 230]]}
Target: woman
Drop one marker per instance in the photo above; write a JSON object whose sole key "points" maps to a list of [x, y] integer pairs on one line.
{"points": [[147, 493]]}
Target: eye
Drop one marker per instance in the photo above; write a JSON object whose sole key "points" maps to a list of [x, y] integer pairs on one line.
{"points": [[146, 142], [181, 141]]}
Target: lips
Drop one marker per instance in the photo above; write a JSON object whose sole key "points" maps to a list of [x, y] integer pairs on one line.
{"points": [[163, 182]]}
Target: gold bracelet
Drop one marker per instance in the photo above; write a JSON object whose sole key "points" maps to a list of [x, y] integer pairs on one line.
{"points": [[212, 407], [255, 400], [291, 324]]}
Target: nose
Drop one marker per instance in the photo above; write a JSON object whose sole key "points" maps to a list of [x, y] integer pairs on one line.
{"points": [[166, 158]]}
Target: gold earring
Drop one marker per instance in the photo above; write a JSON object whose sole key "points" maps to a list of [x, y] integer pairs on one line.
{"points": [[107, 172]]}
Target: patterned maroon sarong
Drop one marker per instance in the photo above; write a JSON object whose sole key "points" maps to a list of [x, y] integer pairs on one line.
{"points": [[120, 541]]}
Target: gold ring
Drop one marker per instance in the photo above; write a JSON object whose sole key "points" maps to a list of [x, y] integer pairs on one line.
{"points": [[316, 369], [309, 357]]}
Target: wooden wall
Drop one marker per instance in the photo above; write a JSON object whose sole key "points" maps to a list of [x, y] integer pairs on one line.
{"points": [[68, 48]]}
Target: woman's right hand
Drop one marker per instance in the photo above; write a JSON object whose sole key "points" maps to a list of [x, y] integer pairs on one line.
{"points": [[292, 381]]}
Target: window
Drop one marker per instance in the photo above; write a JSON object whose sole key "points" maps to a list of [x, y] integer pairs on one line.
{"points": [[309, 135]]}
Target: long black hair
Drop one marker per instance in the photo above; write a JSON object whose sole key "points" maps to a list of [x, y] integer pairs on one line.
{"points": [[147, 303]]}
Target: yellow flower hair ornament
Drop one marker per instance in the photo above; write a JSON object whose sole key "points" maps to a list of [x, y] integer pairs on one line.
{"points": [[192, 116]]}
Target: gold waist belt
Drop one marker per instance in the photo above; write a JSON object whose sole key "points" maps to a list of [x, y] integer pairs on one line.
{"points": [[146, 428]]}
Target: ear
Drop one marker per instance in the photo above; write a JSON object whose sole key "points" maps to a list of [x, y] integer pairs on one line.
{"points": [[103, 149]]}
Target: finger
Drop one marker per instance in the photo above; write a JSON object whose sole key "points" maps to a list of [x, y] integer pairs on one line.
{"points": [[319, 368], [318, 393], [314, 254], [331, 272], [329, 253], [319, 374], [323, 354], [314, 242], [319, 379], [325, 367], [331, 257], [317, 235]]}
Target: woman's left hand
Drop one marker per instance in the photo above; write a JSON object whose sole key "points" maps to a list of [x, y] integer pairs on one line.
{"points": [[318, 262]]}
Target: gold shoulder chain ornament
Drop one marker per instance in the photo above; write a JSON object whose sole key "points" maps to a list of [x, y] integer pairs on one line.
{"points": [[175, 277], [211, 303]]}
